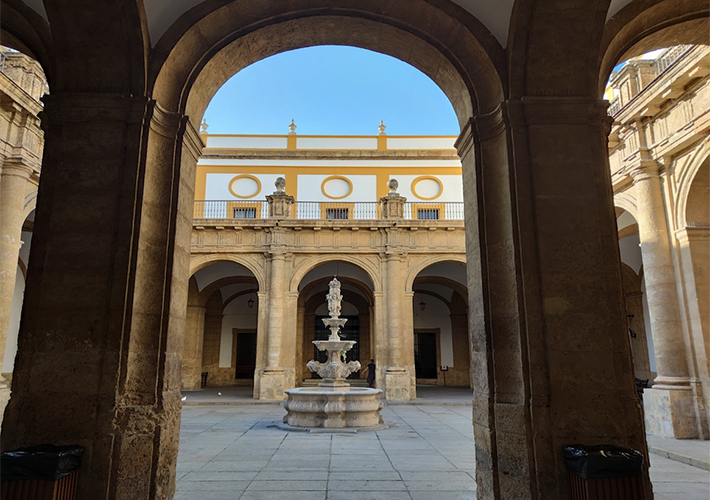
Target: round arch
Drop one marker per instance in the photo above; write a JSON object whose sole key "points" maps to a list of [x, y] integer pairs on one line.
{"points": [[366, 293], [253, 265], [197, 55], [308, 265], [627, 202], [646, 25], [685, 182], [423, 264]]}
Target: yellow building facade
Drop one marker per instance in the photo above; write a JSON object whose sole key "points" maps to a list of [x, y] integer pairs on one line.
{"points": [[262, 256]]}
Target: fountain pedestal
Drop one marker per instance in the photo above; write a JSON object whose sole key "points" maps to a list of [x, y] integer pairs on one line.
{"points": [[333, 404]]}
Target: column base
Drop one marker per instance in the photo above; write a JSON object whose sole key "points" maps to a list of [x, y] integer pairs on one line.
{"points": [[670, 413], [272, 384], [399, 385]]}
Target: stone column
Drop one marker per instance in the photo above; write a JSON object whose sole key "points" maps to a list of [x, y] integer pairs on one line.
{"points": [[379, 337], [272, 378], [13, 187], [261, 346], [669, 404], [192, 352], [14, 182], [400, 381], [551, 356], [98, 360]]}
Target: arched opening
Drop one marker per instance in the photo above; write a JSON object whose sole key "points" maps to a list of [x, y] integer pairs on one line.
{"points": [[442, 353], [357, 308], [659, 56], [222, 327], [22, 85], [635, 300]]}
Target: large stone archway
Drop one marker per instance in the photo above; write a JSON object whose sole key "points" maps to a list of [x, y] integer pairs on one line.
{"points": [[110, 281]]}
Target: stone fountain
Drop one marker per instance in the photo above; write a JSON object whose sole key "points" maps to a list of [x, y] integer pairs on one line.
{"points": [[334, 404]]}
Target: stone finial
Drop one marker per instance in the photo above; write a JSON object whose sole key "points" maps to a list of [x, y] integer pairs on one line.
{"points": [[381, 128], [393, 185], [204, 126], [292, 128], [280, 184]]}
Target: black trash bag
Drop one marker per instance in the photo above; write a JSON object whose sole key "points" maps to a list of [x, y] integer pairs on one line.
{"points": [[603, 461], [44, 461]]}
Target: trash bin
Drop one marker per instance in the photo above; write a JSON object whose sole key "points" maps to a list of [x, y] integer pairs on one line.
{"points": [[604, 472], [42, 472]]}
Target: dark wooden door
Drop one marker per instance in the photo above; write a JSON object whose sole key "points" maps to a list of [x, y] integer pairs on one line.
{"points": [[246, 355], [425, 361]]}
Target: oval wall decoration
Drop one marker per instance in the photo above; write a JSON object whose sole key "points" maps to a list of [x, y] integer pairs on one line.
{"points": [[336, 187], [427, 187], [245, 186]]}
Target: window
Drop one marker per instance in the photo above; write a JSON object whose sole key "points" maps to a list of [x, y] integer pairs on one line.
{"points": [[427, 213], [245, 213], [337, 213]]}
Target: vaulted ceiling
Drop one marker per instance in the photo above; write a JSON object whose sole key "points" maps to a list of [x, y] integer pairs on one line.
{"points": [[494, 14]]}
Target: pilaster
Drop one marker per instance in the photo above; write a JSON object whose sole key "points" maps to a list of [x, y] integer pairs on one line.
{"points": [[543, 231]]}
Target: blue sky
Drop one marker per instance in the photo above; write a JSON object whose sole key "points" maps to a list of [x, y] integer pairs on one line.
{"points": [[333, 91]]}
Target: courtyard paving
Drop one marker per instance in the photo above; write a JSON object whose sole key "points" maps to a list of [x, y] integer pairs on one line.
{"points": [[233, 452]]}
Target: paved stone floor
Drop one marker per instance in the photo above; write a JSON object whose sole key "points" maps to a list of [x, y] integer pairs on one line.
{"points": [[230, 452]]}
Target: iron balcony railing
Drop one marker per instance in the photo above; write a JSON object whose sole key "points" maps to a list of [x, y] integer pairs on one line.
{"points": [[316, 210]]}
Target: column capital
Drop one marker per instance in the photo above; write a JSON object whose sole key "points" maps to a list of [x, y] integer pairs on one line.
{"points": [[17, 169], [645, 170]]}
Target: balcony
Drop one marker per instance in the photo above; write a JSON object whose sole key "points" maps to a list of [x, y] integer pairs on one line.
{"points": [[235, 210]]}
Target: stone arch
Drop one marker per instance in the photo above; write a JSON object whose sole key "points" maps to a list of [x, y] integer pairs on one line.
{"points": [[626, 201], [201, 51], [363, 287], [253, 265], [364, 264], [646, 25], [30, 203], [686, 182], [424, 263], [22, 29]]}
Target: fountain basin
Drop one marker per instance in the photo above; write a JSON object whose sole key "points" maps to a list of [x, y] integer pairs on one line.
{"points": [[347, 407]]}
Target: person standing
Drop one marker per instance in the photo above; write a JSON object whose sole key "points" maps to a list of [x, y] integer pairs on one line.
{"points": [[370, 370]]}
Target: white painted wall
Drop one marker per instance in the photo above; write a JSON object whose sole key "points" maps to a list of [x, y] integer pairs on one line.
{"points": [[364, 188], [218, 270], [14, 326], [420, 142], [336, 143], [453, 187], [236, 315], [436, 315], [631, 252], [237, 142], [217, 186], [647, 322]]}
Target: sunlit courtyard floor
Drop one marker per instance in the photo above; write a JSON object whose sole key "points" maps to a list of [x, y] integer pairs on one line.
{"points": [[232, 452]]}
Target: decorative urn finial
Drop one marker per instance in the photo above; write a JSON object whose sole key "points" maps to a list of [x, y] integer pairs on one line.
{"points": [[292, 128], [204, 126], [280, 184], [381, 128], [393, 185]]}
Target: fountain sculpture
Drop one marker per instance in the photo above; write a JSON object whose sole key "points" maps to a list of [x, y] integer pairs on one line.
{"points": [[334, 404]]}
